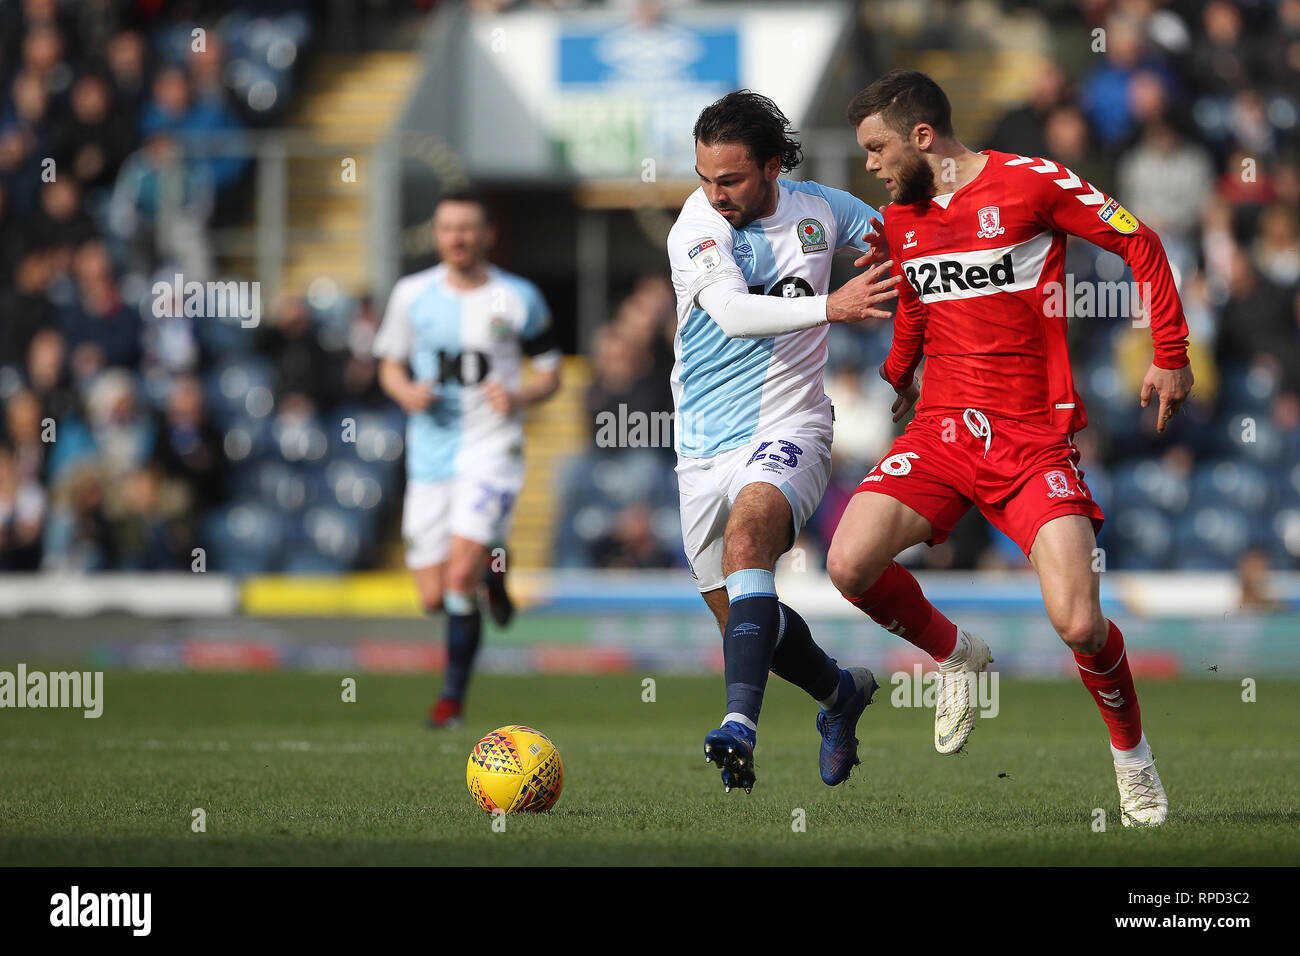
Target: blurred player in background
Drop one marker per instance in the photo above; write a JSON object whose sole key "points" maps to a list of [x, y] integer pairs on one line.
{"points": [[980, 238], [751, 260], [451, 345]]}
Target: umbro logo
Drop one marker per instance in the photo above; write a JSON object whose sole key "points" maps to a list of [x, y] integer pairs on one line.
{"points": [[745, 629]]}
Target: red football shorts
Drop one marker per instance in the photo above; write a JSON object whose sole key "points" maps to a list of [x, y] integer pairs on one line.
{"points": [[1019, 475]]}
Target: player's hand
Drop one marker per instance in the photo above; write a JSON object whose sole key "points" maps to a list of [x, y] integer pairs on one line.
{"points": [[502, 402], [417, 397], [855, 300], [905, 400], [879, 246], [1172, 385]]}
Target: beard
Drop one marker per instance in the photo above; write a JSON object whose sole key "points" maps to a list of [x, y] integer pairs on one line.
{"points": [[915, 181]]}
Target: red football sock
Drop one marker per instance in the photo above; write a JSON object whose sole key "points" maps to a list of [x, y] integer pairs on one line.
{"points": [[1108, 678], [896, 603]]}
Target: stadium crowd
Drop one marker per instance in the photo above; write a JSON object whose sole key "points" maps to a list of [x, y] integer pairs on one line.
{"points": [[170, 431]]}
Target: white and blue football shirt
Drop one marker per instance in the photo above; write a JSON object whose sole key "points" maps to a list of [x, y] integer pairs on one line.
{"points": [[457, 340], [724, 389]]}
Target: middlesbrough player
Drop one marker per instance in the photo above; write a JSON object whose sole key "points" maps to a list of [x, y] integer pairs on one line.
{"points": [[451, 349], [751, 260], [980, 239]]}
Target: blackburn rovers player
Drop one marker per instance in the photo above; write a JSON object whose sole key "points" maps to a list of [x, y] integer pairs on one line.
{"points": [[751, 259], [452, 345], [980, 239]]}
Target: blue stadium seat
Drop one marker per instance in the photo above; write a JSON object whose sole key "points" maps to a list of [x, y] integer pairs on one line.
{"points": [[1147, 480], [1251, 435], [244, 538], [1139, 539], [1211, 539], [1241, 484], [239, 387], [1283, 540], [300, 439]]}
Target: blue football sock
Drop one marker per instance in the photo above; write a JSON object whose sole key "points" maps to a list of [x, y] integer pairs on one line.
{"points": [[748, 642], [464, 630], [799, 660]]}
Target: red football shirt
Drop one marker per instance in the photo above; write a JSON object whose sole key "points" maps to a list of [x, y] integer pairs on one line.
{"points": [[985, 300]]}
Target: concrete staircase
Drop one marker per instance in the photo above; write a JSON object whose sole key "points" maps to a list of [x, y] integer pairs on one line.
{"points": [[553, 431], [351, 103]]}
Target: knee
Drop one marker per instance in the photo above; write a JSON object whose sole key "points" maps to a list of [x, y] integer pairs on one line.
{"points": [[746, 548], [852, 574], [1083, 632], [460, 578]]}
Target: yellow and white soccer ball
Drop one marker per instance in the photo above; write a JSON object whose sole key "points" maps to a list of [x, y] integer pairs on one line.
{"points": [[516, 769]]}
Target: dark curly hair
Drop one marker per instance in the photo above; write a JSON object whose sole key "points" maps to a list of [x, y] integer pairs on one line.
{"points": [[754, 120]]}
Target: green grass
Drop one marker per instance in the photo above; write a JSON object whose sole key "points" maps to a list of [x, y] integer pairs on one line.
{"points": [[288, 774]]}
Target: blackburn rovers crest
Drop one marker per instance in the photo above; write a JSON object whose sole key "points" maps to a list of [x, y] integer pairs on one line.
{"points": [[812, 236], [990, 218]]}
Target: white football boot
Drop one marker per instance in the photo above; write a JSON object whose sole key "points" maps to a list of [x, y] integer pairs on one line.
{"points": [[954, 717], [1142, 799]]}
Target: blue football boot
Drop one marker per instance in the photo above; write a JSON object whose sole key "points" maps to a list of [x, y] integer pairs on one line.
{"points": [[839, 750], [731, 748]]}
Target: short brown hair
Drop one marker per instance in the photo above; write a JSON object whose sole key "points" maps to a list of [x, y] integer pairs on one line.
{"points": [[904, 98]]}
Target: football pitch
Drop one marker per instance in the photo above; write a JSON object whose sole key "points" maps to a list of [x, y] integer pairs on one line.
{"points": [[286, 773]]}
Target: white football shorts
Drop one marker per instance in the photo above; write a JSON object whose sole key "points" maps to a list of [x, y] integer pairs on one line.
{"points": [[478, 507], [795, 459]]}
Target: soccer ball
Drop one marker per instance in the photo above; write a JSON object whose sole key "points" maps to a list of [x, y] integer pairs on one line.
{"points": [[516, 769]]}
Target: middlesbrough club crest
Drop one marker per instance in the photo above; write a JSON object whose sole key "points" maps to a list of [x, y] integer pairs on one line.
{"points": [[1058, 484], [990, 218]]}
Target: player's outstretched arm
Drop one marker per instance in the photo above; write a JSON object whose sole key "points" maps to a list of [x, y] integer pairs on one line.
{"points": [[857, 299], [1080, 209]]}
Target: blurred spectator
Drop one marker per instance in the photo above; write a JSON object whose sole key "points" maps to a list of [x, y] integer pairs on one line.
{"points": [[60, 221], [622, 376], [1221, 55], [153, 185], [631, 542], [47, 373], [1276, 250], [290, 342], [125, 57], [25, 307], [76, 534], [93, 139], [1257, 319], [146, 520], [358, 376], [1252, 576], [194, 120], [23, 428], [190, 447], [1104, 93], [1166, 180], [100, 329], [1023, 130], [123, 430], [22, 514]]}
